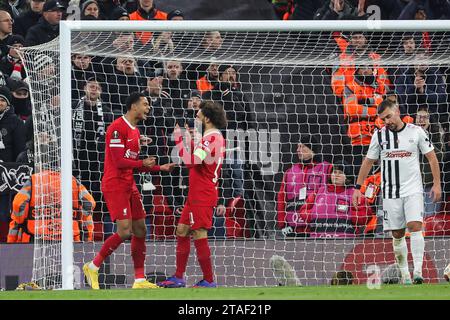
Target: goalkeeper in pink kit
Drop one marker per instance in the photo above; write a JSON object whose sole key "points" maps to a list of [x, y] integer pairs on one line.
{"points": [[204, 163], [123, 142]]}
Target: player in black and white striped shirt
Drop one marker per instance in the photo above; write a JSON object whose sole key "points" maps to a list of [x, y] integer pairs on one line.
{"points": [[398, 145]]}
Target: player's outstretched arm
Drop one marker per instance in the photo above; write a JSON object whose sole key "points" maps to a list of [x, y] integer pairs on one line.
{"points": [[363, 172], [436, 190]]}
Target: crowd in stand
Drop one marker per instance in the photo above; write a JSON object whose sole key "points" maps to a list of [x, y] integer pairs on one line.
{"points": [[315, 193]]}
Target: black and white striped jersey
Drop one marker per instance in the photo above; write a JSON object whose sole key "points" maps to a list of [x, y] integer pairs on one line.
{"points": [[399, 155]]}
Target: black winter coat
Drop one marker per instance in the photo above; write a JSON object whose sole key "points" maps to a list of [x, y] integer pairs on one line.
{"points": [[42, 32], [12, 136]]}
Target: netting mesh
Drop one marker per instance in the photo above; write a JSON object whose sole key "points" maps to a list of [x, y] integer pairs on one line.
{"points": [[283, 88]]}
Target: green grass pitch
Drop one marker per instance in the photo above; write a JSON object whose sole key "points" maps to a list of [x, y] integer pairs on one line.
{"points": [[387, 292]]}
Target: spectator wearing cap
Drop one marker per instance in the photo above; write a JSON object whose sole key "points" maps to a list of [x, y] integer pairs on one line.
{"points": [[329, 212], [175, 15], [6, 23], [306, 177], [20, 98], [16, 7], [47, 28], [146, 11], [11, 65], [119, 13], [45, 69], [28, 18]]}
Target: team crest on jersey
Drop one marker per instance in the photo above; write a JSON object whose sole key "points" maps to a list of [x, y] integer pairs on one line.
{"points": [[206, 143], [115, 135], [412, 140]]}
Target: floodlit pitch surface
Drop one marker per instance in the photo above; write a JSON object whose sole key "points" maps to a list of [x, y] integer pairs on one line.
{"points": [[357, 292]]}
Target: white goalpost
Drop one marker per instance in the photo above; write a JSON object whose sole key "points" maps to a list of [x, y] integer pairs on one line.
{"points": [[287, 73]]}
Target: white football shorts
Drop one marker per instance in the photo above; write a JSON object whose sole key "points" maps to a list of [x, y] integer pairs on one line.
{"points": [[397, 213]]}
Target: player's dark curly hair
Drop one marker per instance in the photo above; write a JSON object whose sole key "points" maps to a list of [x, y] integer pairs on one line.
{"points": [[133, 98], [214, 111]]}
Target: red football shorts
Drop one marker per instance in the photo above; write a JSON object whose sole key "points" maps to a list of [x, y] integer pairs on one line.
{"points": [[124, 205], [197, 217]]}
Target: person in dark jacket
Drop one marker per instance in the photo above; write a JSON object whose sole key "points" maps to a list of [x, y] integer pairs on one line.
{"points": [[240, 118], [82, 69], [6, 23], [11, 65], [20, 94], [176, 84], [124, 79], [12, 130], [12, 142], [28, 18], [15, 7], [433, 130], [337, 10], [47, 28]]}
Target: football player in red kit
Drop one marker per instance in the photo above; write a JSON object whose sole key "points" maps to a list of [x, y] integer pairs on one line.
{"points": [[204, 163], [123, 142]]}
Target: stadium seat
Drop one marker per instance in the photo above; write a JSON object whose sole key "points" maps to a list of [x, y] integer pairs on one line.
{"points": [[235, 220], [162, 219], [437, 225]]}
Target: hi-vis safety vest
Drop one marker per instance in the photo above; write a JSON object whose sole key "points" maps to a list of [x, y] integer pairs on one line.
{"points": [[41, 216], [361, 117], [203, 85], [145, 37]]}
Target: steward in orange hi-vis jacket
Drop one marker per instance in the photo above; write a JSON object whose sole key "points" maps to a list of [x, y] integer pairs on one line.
{"points": [[143, 14], [40, 216], [361, 93]]}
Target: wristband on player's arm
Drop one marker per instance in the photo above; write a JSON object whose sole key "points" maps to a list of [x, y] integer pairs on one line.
{"points": [[357, 186]]}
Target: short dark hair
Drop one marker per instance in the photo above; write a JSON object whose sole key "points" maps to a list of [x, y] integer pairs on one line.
{"points": [[342, 278], [133, 98], [423, 107], [387, 103], [214, 111]]}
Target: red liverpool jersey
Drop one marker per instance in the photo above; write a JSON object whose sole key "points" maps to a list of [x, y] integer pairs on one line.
{"points": [[121, 156], [203, 177]]}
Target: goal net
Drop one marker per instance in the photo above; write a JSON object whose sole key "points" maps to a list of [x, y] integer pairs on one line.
{"points": [[286, 219]]}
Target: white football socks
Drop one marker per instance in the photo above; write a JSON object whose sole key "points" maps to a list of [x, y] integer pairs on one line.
{"points": [[93, 267], [401, 256], [417, 251]]}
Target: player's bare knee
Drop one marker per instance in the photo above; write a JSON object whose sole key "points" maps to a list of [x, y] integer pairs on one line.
{"points": [[182, 232], [124, 229], [200, 234], [398, 234], [139, 230], [415, 226]]}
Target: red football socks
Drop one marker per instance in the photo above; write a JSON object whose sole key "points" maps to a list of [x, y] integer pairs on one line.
{"points": [[138, 250], [204, 258], [108, 247], [183, 250]]}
